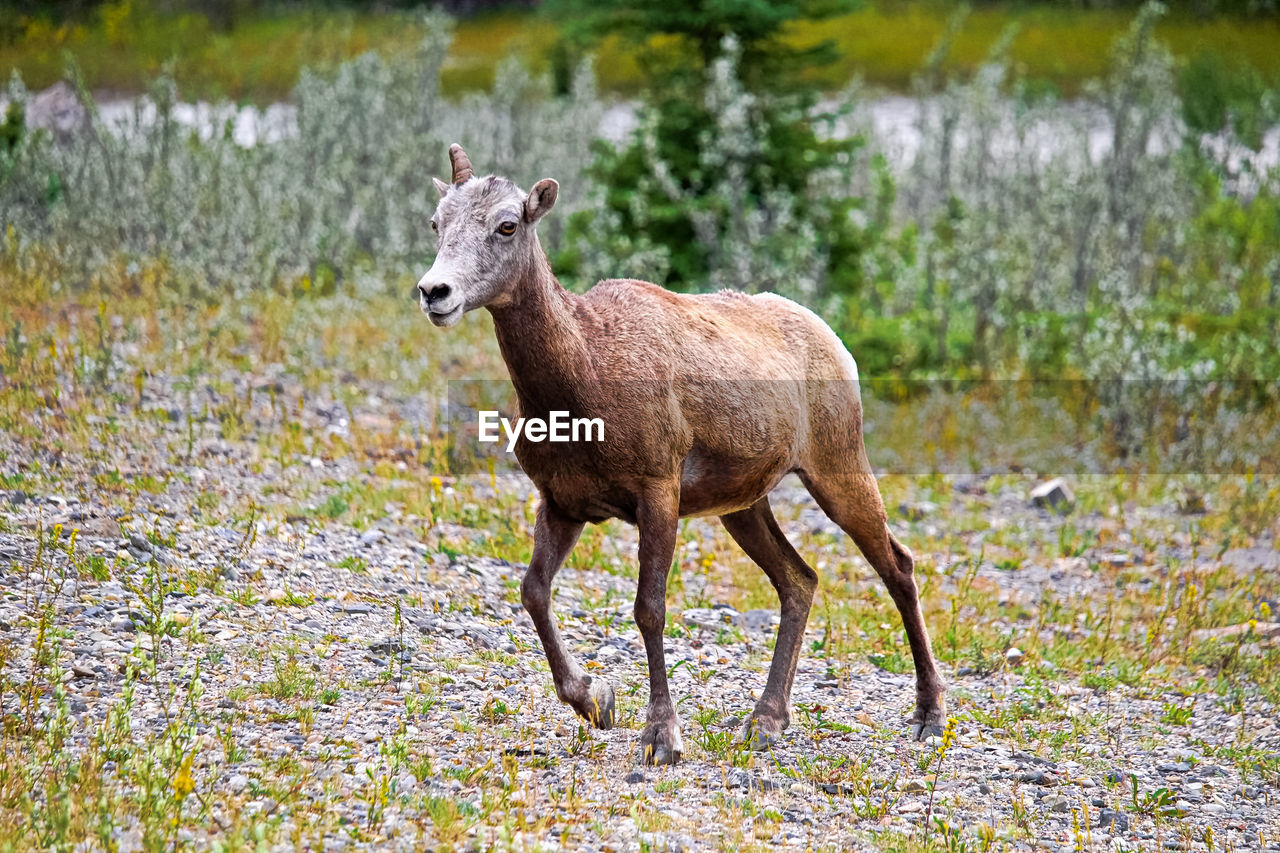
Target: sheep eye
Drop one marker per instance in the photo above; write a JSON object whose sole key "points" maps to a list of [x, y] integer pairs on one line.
{"points": [[434, 227], [506, 229]]}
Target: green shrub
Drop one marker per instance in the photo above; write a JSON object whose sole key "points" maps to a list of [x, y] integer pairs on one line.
{"points": [[992, 252], [1219, 94]]}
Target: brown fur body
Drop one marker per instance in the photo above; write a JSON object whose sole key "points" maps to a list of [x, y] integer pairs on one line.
{"points": [[729, 434]]}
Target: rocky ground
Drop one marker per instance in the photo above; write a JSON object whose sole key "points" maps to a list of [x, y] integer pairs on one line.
{"points": [[243, 605], [381, 686]]}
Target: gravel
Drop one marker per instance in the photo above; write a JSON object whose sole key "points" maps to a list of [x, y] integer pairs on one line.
{"points": [[462, 682]]}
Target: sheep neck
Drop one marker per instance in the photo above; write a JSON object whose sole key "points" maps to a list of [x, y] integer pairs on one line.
{"points": [[541, 341]]}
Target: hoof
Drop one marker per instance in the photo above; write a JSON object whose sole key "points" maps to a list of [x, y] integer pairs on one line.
{"points": [[762, 734], [660, 744], [926, 724], [922, 731], [598, 710]]}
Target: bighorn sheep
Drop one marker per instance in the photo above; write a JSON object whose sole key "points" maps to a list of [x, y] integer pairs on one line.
{"points": [[708, 401]]}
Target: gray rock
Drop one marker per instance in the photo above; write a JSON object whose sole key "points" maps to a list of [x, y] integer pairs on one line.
{"points": [[759, 620], [744, 779], [635, 777], [712, 619], [1117, 822], [390, 646], [1037, 777], [354, 608], [660, 843], [1055, 494], [1028, 758], [605, 652]]}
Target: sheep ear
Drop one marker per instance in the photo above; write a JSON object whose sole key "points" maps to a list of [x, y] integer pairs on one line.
{"points": [[441, 186], [541, 199]]}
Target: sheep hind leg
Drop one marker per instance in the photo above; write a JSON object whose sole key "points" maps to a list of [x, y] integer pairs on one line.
{"points": [[757, 532], [553, 538], [850, 497]]}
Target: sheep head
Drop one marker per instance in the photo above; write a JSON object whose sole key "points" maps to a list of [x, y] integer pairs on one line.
{"points": [[487, 241]]}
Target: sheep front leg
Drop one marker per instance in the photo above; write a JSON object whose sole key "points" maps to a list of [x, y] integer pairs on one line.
{"points": [[553, 538], [657, 517]]}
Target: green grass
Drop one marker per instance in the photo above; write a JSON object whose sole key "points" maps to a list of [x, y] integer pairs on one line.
{"points": [[886, 43], [126, 45], [260, 59]]}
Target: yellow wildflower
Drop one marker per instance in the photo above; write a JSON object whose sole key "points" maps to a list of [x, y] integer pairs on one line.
{"points": [[184, 783]]}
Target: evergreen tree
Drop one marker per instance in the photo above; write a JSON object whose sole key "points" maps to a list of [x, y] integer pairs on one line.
{"points": [[664, 182]]}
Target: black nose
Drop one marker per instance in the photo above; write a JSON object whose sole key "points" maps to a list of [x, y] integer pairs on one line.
{"points": [[435, 291]]}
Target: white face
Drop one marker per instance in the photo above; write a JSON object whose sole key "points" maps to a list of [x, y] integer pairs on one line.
{"points": [[486, 241]]}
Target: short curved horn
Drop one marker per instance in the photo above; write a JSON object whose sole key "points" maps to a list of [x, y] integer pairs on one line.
{"points": [[461, 163]]}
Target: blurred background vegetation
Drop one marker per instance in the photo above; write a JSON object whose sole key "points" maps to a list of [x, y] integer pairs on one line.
{"points": [[1090, 190], [254, 49]]}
